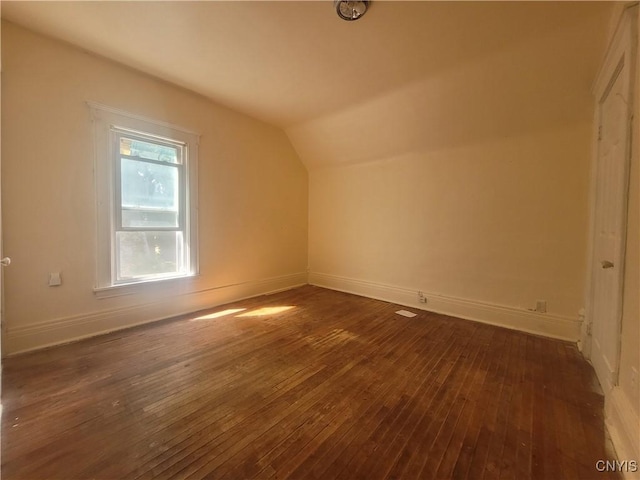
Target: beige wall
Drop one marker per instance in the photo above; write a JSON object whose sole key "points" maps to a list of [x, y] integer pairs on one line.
{"points": [[471, 184], [501, 222], [252, 193]]}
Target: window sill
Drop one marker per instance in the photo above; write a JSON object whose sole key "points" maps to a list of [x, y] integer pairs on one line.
{"points": [[170, 286]]}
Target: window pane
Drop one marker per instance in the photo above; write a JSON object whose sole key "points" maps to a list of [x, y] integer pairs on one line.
{"points": [[152, 151], [139, 217], [148, 186], [143, 254]]}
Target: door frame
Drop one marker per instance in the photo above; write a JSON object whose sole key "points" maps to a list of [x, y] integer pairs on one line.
{"points": [[621, 48]]}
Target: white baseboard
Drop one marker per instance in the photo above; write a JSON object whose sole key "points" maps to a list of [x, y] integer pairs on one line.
{"points": [[62, 330], [549, 325], [24, 338], [623, 423]]}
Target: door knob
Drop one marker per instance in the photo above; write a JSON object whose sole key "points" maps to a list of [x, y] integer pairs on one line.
{"points": [[607, 264], [5, 262]]}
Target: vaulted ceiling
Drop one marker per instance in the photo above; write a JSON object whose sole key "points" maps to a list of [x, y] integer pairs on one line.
{"points": [[407, 76]]}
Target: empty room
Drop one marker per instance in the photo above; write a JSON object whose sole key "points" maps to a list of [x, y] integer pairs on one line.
{"points": [[319, 240]]}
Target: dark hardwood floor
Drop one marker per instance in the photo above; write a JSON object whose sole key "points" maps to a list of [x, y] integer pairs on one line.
{"points": [[336, 386]]}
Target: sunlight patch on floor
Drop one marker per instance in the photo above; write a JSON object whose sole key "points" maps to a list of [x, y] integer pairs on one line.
{"points": [[223, 313], [259, 312]]}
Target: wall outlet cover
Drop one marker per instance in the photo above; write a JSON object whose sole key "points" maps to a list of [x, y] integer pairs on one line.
{"points": [[55, 279]]}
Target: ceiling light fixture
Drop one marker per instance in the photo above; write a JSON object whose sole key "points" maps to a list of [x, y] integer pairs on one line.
{"points": [[350, 10]]}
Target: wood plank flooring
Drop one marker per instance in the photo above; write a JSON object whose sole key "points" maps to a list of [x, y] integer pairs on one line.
{"points": [[335, 386]]}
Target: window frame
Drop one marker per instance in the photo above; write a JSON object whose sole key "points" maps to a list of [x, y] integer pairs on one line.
{"points": [[109, 124]]}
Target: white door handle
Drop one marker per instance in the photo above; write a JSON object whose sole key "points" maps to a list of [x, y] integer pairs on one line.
{"points": [[5, 262]]}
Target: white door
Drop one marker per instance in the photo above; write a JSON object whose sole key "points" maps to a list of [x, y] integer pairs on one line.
{"points": [[614, 103]]}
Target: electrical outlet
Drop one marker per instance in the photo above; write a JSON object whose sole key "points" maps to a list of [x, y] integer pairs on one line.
{"points": [[541, 306], [421, 297]]}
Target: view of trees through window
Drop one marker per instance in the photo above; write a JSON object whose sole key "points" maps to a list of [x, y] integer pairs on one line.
{"points": [[150, 233], [148, 253]]}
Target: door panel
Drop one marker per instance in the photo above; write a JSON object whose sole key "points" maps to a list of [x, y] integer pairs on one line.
{"points": [[610, 214]]}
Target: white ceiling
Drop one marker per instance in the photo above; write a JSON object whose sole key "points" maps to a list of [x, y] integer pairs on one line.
{"points": [[296, 65]]}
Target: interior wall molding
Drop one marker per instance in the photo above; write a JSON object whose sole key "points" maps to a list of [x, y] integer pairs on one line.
{"points": [[24, 338], [546, 324], [622, 424]]}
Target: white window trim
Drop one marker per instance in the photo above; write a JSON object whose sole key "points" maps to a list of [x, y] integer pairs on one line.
{"points": [[103, 119]]}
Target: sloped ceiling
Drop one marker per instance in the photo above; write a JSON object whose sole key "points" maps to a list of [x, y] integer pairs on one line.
{"points": [[408, 76]]}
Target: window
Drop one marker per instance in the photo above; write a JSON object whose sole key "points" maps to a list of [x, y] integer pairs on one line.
{"points": [[146, 199]]}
